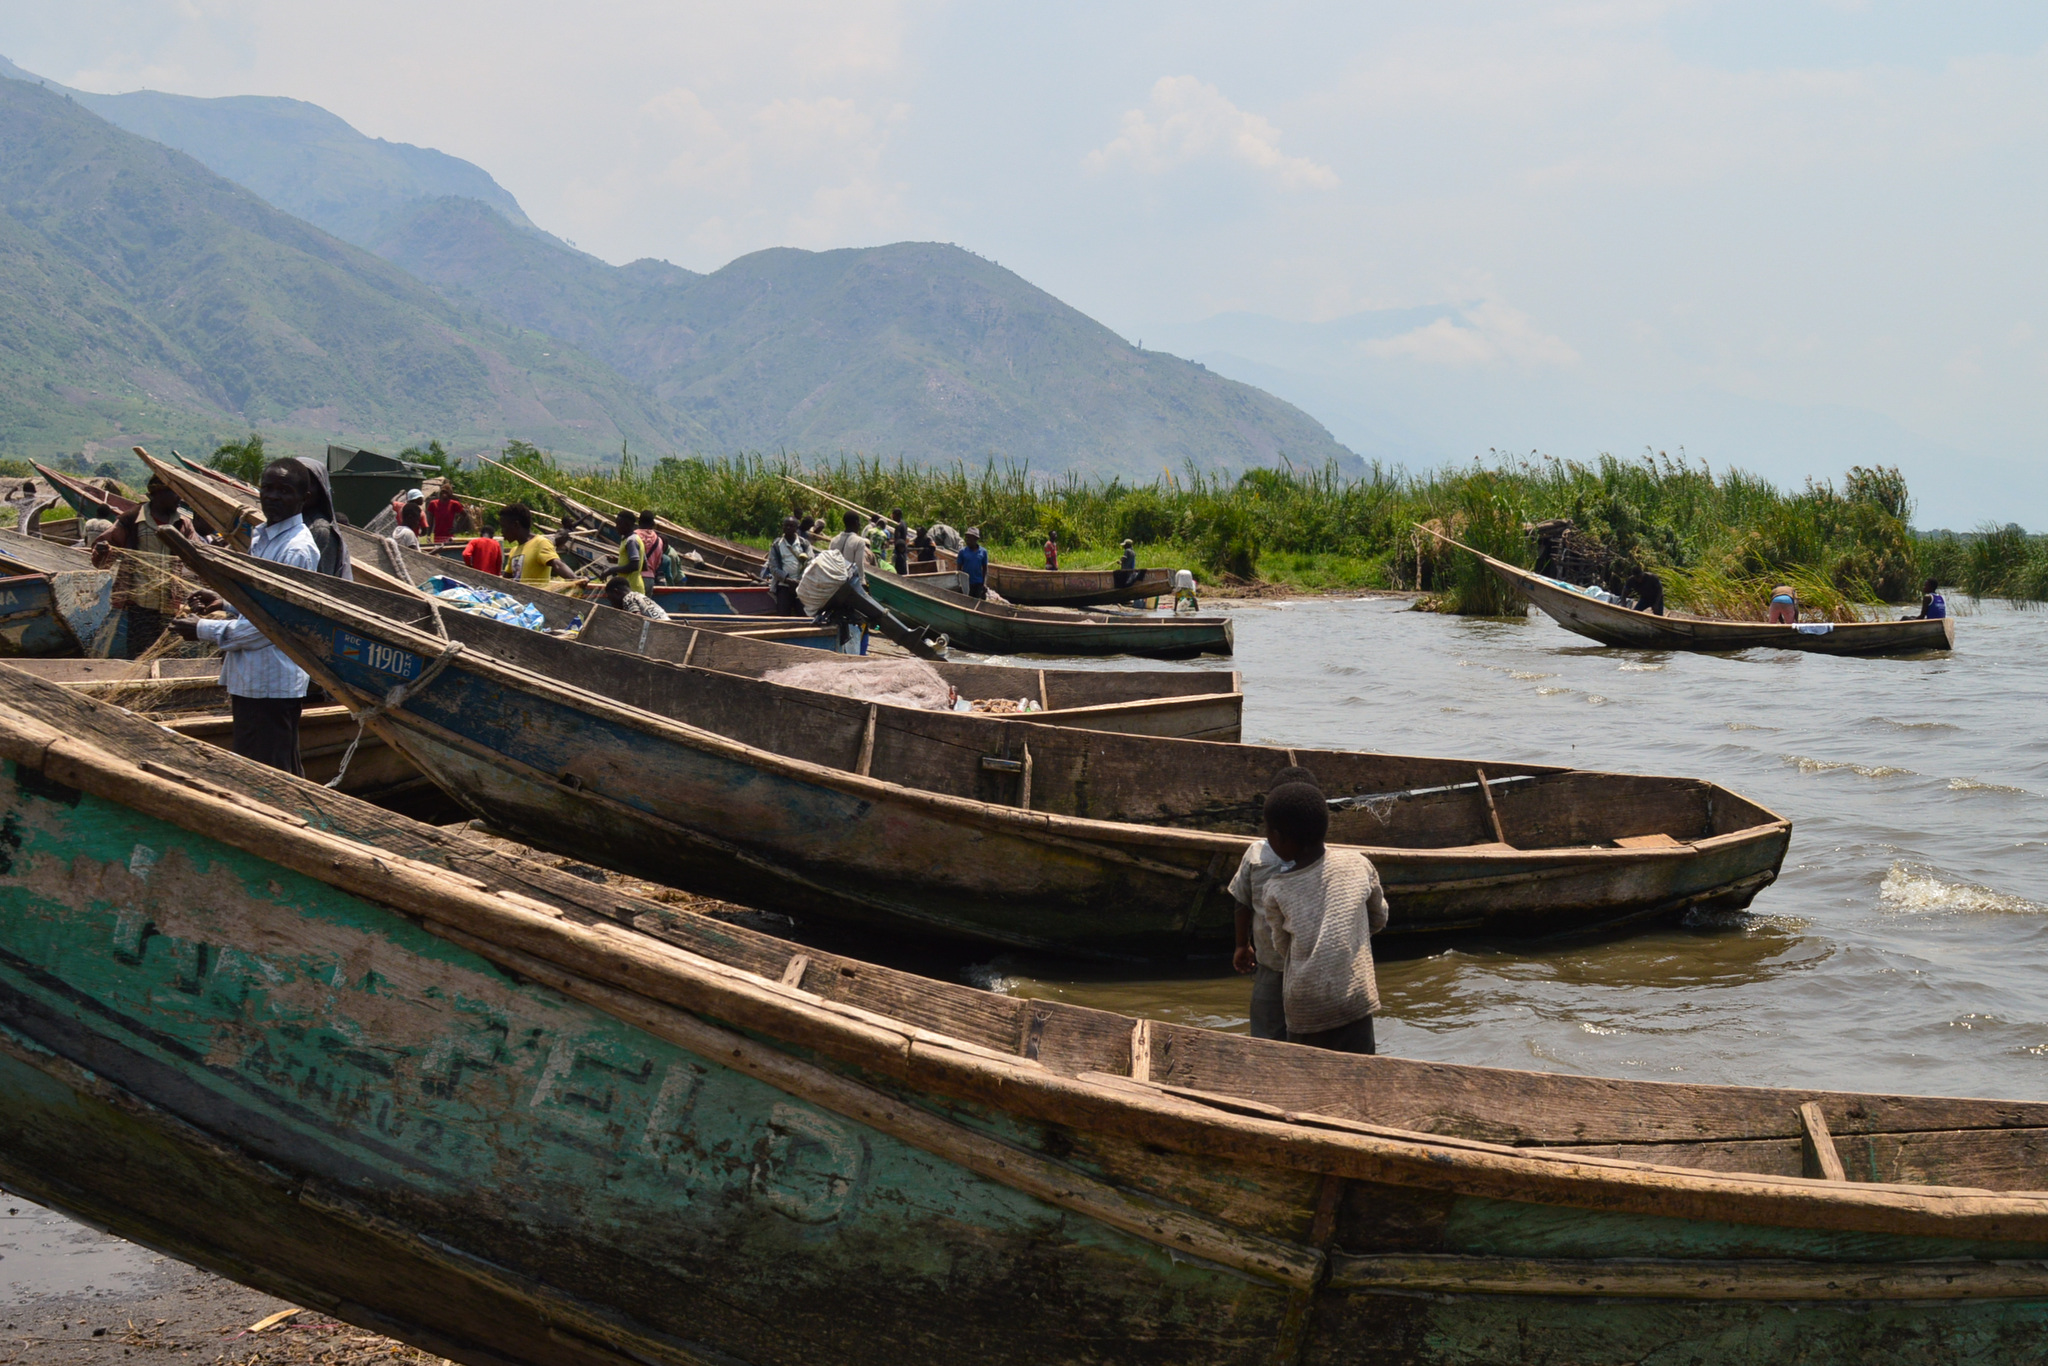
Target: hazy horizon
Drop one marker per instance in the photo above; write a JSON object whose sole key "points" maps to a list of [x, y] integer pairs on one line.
{"points": [[1785, 236]]}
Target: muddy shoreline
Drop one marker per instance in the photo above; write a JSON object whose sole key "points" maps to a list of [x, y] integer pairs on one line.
{"points": [[73, 1296]]}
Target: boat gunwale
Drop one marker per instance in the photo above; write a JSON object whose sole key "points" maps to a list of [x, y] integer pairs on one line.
{"points": [[672, 978], [985, 815]]}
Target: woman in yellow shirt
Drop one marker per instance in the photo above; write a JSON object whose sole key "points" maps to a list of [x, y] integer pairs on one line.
{"points": [[530, 558]]}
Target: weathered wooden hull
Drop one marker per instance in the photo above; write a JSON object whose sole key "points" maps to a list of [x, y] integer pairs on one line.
{"points": [[1029, 587], [1175, 704], [559, 610], [738, 602], [764, 795], [972, 625], [46, 616], [1624, 626], [442, 1094]]}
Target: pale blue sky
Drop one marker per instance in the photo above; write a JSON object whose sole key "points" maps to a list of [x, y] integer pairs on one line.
{"points": [[1655, 223]]}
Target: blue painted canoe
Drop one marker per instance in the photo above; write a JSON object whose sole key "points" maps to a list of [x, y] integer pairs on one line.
{"points": [[975, 827], [54, 604], [517, 1118], [742, 602]]}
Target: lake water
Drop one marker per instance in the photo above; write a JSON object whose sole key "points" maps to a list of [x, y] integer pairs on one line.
{"points": [[1903, 948]]}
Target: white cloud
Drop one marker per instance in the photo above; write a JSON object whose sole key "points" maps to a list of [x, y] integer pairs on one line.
{"points": [[1188, 120]]}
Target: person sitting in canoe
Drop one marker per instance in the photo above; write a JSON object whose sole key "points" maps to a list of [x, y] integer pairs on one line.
{"points": [[973, 562], [618, 595], [1323, 906], [1644, 591], [1784, 606], [1256, 953], [1933, 606], [531, 559]]}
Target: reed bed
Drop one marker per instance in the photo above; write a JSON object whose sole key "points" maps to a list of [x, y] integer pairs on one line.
{"points": [[1718, 537]]}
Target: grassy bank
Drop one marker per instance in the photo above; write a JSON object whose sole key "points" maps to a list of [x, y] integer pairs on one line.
{"points": [[1718, 538]]}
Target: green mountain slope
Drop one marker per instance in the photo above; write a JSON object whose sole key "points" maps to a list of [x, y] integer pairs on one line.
{"points": [[296, 155], [917, 349], [148, 296]]}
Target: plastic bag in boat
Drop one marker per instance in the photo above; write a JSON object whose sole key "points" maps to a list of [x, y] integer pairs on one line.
{"points": [[823, 577], [485, 602]]}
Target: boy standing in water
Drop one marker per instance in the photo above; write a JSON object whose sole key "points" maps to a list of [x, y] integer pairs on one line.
{"points": [[1322, 908], [1256, 953]]}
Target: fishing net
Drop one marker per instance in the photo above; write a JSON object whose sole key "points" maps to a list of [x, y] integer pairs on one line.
{"points": [[896, 682], [139, 689]]}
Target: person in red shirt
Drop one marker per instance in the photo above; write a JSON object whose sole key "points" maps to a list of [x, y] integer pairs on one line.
{"points": [[1052, 550], [483, 553], [444, 513]]}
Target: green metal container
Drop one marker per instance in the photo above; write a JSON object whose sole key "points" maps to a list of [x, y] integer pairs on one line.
{"points": [[366, 482]]}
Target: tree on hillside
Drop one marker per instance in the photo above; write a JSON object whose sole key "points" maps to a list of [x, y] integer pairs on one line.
{"points": [[242, 460]]}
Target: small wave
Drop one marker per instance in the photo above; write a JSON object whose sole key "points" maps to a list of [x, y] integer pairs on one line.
{"points": [[1972, 785], [1806, 765], [1550, 692], [1595, 699], [1917, 890], [1915, 725], [1526, 677], [1589, 1027], [1641, 668], [1745, 725]]}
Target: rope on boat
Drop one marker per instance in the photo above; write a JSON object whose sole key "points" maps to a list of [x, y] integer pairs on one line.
{"points": [[394, 699]]}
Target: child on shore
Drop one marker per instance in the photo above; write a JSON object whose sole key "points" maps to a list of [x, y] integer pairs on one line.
{"points": [[1255, 951], [1322, 908]]}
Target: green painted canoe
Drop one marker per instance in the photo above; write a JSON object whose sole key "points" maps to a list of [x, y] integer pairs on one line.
{"points": [[517, 1118], [999, 629]]}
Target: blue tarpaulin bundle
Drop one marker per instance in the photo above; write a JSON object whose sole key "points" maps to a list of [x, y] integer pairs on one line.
{"points": [[485, 602]]}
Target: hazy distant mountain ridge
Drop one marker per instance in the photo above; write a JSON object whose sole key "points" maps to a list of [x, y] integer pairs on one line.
{"points": [[148, 293], [296, 155], [914, 349], [198, 299]]}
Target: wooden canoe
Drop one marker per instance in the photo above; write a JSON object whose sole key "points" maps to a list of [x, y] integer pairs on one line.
{"points": [[516, 1118], [83, 497], [1612, 624], [222, 505], [1029, 587], [390, 561], [54, 604], [993, 628], [186, 695], [1208, 705], [968, 827]]}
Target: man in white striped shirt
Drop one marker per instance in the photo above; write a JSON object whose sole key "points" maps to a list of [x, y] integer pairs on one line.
{"points": [[266, 691]]}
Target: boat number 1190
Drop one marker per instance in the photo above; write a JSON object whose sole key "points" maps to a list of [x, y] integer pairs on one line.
{"points": [[377, 655]]}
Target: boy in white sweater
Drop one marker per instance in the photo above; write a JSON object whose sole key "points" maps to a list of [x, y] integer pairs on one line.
{"points": [[1256, 954], [1322, 908]]}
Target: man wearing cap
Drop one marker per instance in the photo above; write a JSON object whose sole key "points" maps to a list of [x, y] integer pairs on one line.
{"points": [[973, 562], [1127, 568]]}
